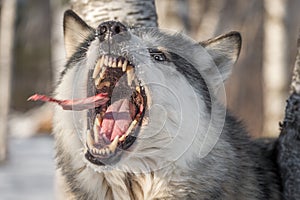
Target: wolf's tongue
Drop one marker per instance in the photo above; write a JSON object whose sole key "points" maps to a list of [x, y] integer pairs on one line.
{"points": [[74, 104], [117, 119]]}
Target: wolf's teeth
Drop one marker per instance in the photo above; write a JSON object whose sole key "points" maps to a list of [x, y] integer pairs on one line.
{"points": [[120, 63], [96, 130], [102, 151], [132, 125], [138, 89], [114, 144], [122, 138], [110, 60], [130, 76], [114, 64], [100, 77], [94, 151], [124, 66], [107, 151], [98, 67], [101, 85], [97, 81], [102, 73], [89, 140], [105, 60]]}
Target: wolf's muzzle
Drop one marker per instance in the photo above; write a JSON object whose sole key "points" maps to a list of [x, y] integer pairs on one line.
{"points": [[108, 29]]}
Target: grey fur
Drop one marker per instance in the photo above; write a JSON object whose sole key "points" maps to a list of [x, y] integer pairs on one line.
{"points": [[235, 168]]}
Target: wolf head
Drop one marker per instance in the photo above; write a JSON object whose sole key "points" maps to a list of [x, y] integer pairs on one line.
{"points": [[163, 108]]}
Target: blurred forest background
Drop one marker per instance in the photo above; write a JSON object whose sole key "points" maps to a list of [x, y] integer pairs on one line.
{"points": [[256, 91]]}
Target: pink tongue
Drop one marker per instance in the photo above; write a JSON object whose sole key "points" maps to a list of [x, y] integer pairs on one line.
{"points": [[116, 119]]}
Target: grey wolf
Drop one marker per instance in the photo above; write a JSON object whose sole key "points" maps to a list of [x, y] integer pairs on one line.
{"points": [[163, 134]]}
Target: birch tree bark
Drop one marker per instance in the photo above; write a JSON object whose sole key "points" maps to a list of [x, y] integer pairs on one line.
{"points": [[58, 55], [288, 145], [131, 12], [275, 65], [6, 53]]}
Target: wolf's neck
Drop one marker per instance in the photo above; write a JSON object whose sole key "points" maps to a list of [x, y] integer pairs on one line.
{"points": [[121, 185]]}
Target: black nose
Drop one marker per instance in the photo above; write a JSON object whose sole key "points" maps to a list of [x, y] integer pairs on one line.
{"points": [[110, 28]]}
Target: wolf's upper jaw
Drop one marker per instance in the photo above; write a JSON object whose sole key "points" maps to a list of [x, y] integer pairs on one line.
{"points": [[113, 127]]}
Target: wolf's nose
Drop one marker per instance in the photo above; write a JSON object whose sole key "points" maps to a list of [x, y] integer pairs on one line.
{"points": [[110, 28]]}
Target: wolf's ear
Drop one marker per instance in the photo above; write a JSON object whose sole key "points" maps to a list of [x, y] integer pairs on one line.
{"points": [[75, 32], [224, 50]]}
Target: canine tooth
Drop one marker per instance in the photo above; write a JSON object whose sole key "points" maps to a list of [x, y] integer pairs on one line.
{"points": [[106, 60], [110, 60], [102, 72], [97, 81], [130, 76], [132, 125], [124, 66], [89, 140], [122, 138], [120, 63], [96, 130], [98, 67], [138, 89], [114, 144]]}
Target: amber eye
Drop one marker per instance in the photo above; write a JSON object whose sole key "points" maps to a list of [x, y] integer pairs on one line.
{"points": [[157, 55]]}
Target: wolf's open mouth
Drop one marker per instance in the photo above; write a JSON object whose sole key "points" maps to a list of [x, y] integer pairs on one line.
{"points": [[114, 126]]}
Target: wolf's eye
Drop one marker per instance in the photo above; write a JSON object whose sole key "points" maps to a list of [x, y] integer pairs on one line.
{"points": [[157, 55]]}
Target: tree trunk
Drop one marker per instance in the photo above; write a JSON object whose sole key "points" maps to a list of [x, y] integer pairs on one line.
{"points": [[288, 146], [58, 56], [6, 53], [131, 12], [274, 65]]}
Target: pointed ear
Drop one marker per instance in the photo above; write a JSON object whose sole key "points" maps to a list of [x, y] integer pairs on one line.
{"points": [[76, 32], [224, 50]]}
